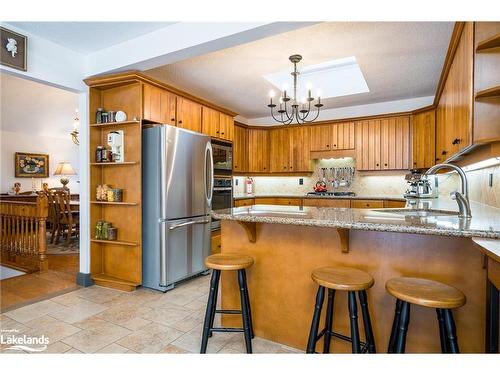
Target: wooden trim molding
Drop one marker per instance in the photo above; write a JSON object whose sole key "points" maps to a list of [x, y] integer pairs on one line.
{"points": [[116, 79], [452, 48]]}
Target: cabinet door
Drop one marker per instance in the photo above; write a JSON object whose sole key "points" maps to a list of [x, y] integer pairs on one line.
{"points": [[280, 201], [320, 138], [327, 202], [240, 147], [365, 203], [374, 138], [244, 202], [226, 126], [279, 143], [300, 149], [424, 138], [151, 103], [188, 114], [342, 136], [361, 129], [258, 150], [395, 143], [167, 107], [210, 122]]}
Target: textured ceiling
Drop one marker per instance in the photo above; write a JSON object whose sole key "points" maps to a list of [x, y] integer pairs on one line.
{"points": [[35, 108], [87, 37], [399, 60]]}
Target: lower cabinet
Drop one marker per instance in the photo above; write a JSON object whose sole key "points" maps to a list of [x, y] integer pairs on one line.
{"points": [[244, 202], [280, 201], [367, 203], [216, 242], [318, 202]]}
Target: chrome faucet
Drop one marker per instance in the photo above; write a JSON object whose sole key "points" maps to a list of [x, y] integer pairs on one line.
{"points": [[461, 198]]}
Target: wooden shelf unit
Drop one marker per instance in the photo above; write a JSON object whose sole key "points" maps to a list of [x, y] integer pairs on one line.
{"points": [[117, 264], [116, 123], [488, 93], [115, 203]]}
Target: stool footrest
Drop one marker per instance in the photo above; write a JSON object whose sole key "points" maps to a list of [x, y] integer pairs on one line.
{"points": [[228, 329], [228, 312], [364, 345]]}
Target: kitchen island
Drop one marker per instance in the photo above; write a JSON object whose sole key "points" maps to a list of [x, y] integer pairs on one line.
{"points": [[288, 242]]}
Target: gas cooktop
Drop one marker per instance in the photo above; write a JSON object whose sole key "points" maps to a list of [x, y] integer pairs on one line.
{"points": [[333, 193]]}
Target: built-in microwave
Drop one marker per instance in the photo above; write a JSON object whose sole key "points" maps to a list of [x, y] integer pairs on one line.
{"points": [[223, 157]]}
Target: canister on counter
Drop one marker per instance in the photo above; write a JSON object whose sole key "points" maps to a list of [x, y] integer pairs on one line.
{"points": [[104, 117], [112, 233], [111, 116]]}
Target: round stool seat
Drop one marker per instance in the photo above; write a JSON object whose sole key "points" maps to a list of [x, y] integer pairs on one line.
{"points": [[228, 262], [425, 292], [342, 278]]}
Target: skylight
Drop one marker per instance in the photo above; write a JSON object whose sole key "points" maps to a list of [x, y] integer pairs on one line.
{"points": [[331, 79]]}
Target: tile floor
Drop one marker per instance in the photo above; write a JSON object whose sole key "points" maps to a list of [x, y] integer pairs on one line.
{"points": [[101, 320]]}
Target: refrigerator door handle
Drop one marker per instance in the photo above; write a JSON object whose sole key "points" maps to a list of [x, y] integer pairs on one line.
{"points": [[187, 223], [209, 174]]}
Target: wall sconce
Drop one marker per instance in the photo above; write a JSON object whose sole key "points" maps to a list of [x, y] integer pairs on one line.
{"points": [[76, 124]]}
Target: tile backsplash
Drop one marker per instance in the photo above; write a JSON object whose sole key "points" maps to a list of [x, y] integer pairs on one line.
{"points": [[390, 183]]}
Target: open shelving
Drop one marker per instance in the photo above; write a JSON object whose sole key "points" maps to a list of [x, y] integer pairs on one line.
{"points": [[490, 43], [117, 263], [488, 93]]}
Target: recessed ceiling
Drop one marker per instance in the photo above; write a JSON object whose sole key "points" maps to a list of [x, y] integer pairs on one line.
{"points": [[399, 60], [87, 37], [44, 110]]}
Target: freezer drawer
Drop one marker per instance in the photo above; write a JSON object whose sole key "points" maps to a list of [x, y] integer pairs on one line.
{"points": [[184, 245]]}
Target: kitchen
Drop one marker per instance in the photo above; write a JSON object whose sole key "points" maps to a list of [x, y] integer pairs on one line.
{"points": [[393, 199]]}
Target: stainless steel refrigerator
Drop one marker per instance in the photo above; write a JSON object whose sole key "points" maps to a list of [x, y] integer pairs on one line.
{"points": [[177, 186]]}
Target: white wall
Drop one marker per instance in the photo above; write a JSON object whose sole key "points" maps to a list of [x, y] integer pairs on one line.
{"points": [[58, 149]]}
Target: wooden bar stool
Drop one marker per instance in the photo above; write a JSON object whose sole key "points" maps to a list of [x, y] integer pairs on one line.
{"points": [[428, 293], [228, 262], [345, 279]]}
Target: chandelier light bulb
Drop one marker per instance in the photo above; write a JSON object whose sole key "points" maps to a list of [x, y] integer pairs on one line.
{"points": [[271, 93], [309, 85]]}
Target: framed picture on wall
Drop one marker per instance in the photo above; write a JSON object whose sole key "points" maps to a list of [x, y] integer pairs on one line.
{"points": [[13, 49], [31, 165]]}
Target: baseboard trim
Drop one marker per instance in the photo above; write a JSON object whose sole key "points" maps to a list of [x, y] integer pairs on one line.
{"points": [[84, 279]]}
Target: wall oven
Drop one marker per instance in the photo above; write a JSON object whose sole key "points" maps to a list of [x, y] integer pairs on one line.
{"points": [[223, 157], [222, 196]]}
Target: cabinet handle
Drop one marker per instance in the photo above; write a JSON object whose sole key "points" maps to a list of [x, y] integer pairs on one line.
{"points": [[327, 146], [180, 121], [172, 119], [386, 164], [376, 164], [217, 132], [334, 145], [222, 133], [444, 152], [284, 167], [456, 141]]}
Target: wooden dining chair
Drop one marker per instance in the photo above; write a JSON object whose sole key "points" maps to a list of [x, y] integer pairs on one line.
{"points": [[69, 221], [53, 219]]}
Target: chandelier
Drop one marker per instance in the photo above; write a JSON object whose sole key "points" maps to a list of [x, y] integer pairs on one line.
{"points": [[297, 111]]}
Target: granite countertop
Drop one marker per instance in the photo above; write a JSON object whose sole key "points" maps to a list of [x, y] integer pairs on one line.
{"points": [[444, 221], [386, 197]]}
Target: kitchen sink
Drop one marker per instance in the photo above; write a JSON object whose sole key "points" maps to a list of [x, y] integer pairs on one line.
{"points": [[418, 212]]}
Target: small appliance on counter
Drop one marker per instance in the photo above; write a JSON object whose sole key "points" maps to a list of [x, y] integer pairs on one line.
{"points": [[420, 186], [115, 141]]}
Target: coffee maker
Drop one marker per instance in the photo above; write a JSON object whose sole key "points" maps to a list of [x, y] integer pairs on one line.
{"points": [[421, 186], [115, 141]]}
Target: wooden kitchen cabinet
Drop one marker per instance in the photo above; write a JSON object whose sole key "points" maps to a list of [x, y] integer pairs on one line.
{"points": [[424, 139], [158, 105], [320, 138], [210, 122], [455, 107], [215, 242], [226, 126], [383, 144], [258, 150], [367, 203], [279, 201], [279, 144], [188, 114], [342, 136], [240, 149], [327, 202], [244, 202], [300, 149]]}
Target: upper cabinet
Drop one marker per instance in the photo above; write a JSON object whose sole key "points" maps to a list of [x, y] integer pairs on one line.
{"points": [[454, 110], [258, 151], [383, 144], [280, 162], [217, 124], [158, 104], [337, 136], [240, 149], [188, 114], [300, 149], [424, 139]]}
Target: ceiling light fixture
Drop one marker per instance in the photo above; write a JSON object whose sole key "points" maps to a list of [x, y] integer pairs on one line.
{"points": [[298, 111]]}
